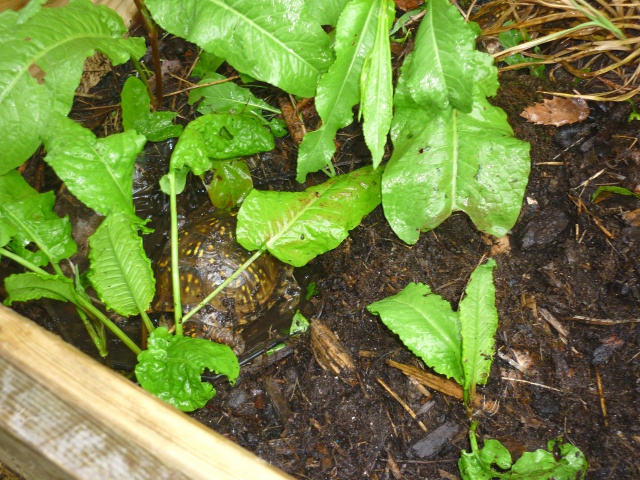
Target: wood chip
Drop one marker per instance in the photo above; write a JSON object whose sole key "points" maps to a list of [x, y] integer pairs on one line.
{"points": [[330, 354], [292, 118]]}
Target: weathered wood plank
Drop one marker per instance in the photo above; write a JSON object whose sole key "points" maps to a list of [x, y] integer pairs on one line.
{"points": [[63, 416]]}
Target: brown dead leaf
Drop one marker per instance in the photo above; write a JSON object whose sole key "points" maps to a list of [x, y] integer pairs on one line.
{"points": [[632, 217], [406, 5], [557, 111]]}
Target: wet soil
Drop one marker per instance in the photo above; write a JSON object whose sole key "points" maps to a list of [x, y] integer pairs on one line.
{"points": [[568, 343]]}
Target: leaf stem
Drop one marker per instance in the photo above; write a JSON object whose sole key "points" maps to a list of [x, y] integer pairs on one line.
{"points": [[175, 274], [89, 307], [22, 261], [221, 287]]}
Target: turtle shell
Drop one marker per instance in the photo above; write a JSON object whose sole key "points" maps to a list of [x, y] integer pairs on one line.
{"points": [[209, 254]]}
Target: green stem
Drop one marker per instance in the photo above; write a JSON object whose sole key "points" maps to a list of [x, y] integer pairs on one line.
{"points": [[88, 306], [98, 337], [175, 273], [23, 261], [145, 79], [220, 287]]}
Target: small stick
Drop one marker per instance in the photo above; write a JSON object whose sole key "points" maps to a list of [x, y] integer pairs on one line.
{"points": [[603, 405], [404, 405], [601, 321]]}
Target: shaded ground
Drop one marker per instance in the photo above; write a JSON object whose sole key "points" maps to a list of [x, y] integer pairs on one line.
{"points": [[566, 257]]}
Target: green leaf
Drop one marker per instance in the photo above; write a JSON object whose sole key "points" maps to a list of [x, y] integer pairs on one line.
{"points": [[377, 88], [98, 171], [444, 66], [171, 366], [275, 41], [539, 465], [230, 184], [42, 66], [326, 12], [227, 98], [427, 325], [22, 287], [156, 126], [28, 217], [220, 136], [339, 88], [120, 271], [207, 64], [297, 226], [613, 189], [479, 323], [454, 161]]}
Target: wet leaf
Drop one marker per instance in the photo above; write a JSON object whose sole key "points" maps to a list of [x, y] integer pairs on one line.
{"points": [[39, 78], [339, 88], [23, 287], [275, 41], [155, 126], [230, 183], [120, 270], [427, 325], [557, 111], [98, 171], [326, 12], [27, 218], [171, 366], [297, 226]]}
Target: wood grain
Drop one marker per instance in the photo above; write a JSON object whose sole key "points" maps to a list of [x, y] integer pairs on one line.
{"points": [[63, 415]]}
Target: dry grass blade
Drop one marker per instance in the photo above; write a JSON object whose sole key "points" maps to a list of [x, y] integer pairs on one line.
{"points": [[587, 39]]}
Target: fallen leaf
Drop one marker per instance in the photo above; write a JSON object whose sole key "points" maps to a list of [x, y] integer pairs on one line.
{"points": [[557, 111], [406, 5]]}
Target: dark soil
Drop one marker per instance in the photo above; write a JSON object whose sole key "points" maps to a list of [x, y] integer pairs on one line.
{"points": [[568, 262]]}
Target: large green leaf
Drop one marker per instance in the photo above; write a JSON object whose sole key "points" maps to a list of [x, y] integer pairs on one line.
{"points": [[219, 137], [171, 366], [275, 41], [230, 183], [339, 88], [297, 226], [23, 287], [155, 126], [444, 65], [41, 62], [377, 88], [98, 171], [120, 270], [479, 322], [427, 325], [454, 161], [28, 217]]}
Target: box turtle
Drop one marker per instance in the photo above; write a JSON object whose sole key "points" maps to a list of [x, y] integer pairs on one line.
{"points": [[208, 254]]}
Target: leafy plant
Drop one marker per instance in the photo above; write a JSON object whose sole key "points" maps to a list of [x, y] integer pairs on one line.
{"points": [[452, 149], [511, 38]]}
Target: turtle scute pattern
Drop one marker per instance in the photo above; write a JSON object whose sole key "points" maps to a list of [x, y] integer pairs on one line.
{"points": [[209, 253]]}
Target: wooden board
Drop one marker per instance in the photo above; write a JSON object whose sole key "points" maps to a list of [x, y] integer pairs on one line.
{"points": [[63, 416]]}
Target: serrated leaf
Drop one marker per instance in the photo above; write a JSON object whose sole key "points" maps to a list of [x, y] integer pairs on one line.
{"points": [[230, 184], [326, 12], [219, 136], [377, 89], [444, 66], [297, 226], [275, 41], [22, 287], [98, 171], [120, 271], [226, 97], [28, 217], [454, 161], [339, 88], [427, 325], [171, 366], [155, 126], [41, 66], [479, 323]]}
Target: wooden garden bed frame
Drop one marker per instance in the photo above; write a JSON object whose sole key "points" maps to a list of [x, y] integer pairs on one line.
{"points": [[64, 416]]}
